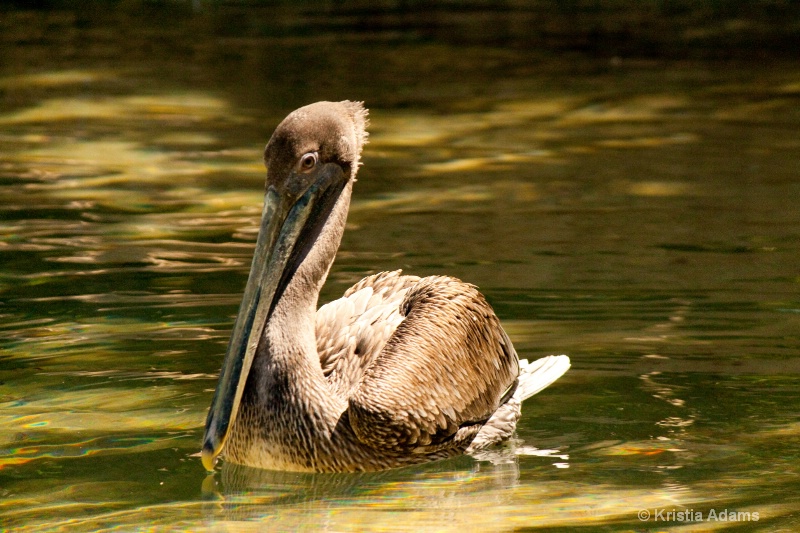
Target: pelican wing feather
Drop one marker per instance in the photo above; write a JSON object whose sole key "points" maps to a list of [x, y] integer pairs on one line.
{"points": [[352, 330], [445, 369]]}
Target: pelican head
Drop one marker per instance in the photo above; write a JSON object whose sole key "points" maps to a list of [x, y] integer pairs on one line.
{"points": [[312, 160]]}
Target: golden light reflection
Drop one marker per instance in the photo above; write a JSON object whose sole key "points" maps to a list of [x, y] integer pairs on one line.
{"points": [[658, 188], [457, 197], [156, 107], [99, 410], [648, 142], [86, 165], [93, 345], [58, 78], [480, 502], [493, 163], [16, 456], [639, 108]]}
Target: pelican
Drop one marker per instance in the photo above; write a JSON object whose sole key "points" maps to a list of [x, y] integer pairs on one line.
{"points": [[400, 370]]}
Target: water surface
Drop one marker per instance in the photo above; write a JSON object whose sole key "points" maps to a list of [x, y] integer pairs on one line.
{"points": [[639, 215]]}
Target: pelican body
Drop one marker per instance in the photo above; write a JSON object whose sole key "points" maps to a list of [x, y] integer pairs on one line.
{"points": [[400, 370]]}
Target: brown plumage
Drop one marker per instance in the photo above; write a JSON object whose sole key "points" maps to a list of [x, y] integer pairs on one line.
{"points": [[400, 370]]}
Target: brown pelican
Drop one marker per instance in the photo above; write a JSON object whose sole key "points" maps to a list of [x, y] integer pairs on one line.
{"points": [[400, 370]]}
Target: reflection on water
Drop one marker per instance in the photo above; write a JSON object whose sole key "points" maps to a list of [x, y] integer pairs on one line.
{"points": [[638, 215]]}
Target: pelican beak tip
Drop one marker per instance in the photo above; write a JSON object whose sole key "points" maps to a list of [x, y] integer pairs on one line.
{"points": [[208, 457]]}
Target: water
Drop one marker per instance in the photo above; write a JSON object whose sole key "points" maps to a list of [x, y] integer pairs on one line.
{"points": [[639, 215]]}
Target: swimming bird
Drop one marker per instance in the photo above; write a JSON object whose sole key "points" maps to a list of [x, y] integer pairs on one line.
{"points": [[400, 370]]}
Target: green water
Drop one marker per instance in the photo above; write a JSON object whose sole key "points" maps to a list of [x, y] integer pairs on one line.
{"points": [[638, 214]]}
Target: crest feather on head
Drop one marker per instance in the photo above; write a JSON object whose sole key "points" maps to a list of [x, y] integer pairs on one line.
{"points": [[360, 116]]}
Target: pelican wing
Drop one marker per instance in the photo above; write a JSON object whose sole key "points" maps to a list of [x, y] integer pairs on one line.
{"points": [[352, 330], [447, 366]]}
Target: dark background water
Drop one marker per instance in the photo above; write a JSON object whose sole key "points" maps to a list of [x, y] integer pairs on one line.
{"points": [[620, 179]]}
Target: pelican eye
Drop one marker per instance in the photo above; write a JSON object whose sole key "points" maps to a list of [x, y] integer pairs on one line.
{"points": [[308, 161]]}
